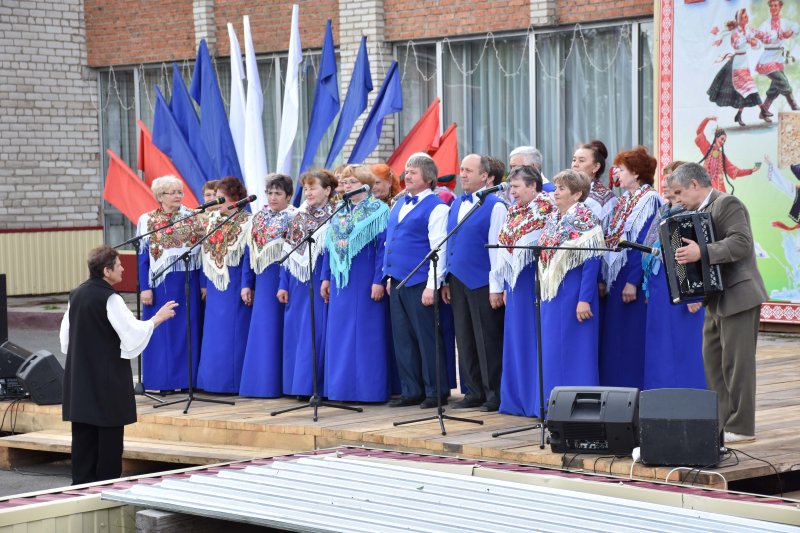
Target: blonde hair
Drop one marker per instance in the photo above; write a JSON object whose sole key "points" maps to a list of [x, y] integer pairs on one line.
{"points": [[361, 172], [162, 184]]}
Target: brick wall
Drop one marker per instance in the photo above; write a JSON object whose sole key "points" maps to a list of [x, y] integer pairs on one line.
{"points": [[49, 169], [574, 11]]}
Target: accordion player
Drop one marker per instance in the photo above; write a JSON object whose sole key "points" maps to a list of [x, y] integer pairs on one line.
{"points": [[690, 282]]}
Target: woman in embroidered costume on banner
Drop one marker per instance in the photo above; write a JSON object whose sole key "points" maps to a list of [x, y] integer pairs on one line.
{"points": [[318, 187], [715, 161], [776, 31], [733, 86], [673, 356], [524, 222], [357, 354], [623, 308], [227, 317], [262, 370], [164, 362], [570, 301], [590, 159]]}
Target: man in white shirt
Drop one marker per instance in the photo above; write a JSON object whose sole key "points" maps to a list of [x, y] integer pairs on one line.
{"points": [[100, 336]]}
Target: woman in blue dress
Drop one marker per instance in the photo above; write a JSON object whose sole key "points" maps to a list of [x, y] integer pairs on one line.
{"points": [[293, 290], [570, 299], [262, 370], [227, 318], [673, 355], [515, 269], [623, 308], [357, 358], [165, 362]]}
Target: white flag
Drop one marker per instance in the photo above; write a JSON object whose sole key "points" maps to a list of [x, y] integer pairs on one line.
{"points": [[236, 120], [255, 157], [291, 97]]}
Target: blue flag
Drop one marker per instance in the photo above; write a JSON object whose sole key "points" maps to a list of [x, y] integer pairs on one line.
{"points": [[354, 103], [214, 128], [185, 115], [168, 138], [326, 104], [388, 101]]}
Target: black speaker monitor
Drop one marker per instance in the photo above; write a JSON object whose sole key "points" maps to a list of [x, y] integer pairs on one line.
{"points": [[593, 419], [43, 377], [679, 427], [11, 358]]}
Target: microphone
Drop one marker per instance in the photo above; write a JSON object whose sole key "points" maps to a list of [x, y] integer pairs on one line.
{"points": [[211, 203], [243, 202], [346, 196], [497, 188], [636, 246]]}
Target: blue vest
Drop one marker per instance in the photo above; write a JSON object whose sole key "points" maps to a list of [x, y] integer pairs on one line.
{"points": [[467, 258], [407, 241]]}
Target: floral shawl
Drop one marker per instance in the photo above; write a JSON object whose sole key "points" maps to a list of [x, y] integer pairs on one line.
{"points": [[602, 202], [225, 247], [164, 246], [305, 220], [265, 239], [351, 229], [577, 228], [651, 264], [522, 227]]}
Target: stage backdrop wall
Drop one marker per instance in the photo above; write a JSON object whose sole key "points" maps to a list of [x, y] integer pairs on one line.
{"points": [[691, 54]]}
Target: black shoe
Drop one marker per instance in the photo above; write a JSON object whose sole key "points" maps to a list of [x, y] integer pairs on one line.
{"points": [[430, 403], [467, 403], [405, 401], [489, 407]]}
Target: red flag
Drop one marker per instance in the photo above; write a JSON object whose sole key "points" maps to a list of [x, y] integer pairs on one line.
{"points": [[125, 191], [155, 163], [446, 157], [423, 137]]}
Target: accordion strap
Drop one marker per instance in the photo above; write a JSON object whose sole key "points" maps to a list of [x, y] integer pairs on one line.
{"points": [[701, 242]]}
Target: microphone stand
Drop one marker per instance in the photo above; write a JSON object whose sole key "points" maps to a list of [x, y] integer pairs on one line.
{"points": [[433, 257], [537, 317], [315, 401], [185, 258]]}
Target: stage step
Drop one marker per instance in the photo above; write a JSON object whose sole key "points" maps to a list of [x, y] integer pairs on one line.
{"points": [[31, 448]]}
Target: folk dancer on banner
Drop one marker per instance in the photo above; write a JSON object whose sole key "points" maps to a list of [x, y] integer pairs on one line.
{"points": [[262, 370], [99, 336], [673, 353], [715, 161], [357, 365], [623, 308], [514, 270], [164, 362], [417, 222], [570, 302], [730, 328], [475, 296], [775, 32], [590, 158], [318, 188], [227, 318]]}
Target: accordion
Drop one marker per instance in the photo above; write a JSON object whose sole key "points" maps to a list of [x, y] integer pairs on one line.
{"points": [[693, 281]]}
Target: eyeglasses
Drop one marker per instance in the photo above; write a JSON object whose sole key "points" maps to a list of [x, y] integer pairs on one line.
{"points": [[349, 182], [174, 193]]}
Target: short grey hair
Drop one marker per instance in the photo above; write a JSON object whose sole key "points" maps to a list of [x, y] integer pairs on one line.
{"points": [[164, 183], [687, 172], [427, 165], [531, 155]]}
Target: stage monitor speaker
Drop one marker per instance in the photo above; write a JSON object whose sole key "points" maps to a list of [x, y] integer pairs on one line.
{"points": [[679, 427], [43, 377], [11, 358], [593, 419]]}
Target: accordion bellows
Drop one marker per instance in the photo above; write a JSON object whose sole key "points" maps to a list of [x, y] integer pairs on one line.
{"points": [[693, 281]]}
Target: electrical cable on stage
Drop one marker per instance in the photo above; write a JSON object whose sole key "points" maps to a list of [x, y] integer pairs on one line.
{"points": [[777, 474]]}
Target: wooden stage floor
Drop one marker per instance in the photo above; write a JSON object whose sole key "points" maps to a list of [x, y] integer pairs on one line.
{"points": [[212, 433]]}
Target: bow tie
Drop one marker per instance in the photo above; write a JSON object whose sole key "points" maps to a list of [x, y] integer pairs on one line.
{"points": [[466, 197], [411, 199]]}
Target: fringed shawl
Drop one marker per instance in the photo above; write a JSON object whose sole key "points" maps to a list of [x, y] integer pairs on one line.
{"points": [[651, 263], [602, 202], [164, 246], [577, 228], [266, 236], [305, 220], [225, 247], [350, 230], [522, 228]]}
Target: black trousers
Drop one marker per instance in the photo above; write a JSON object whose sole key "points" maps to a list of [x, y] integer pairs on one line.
{"points": [[479, 337], [96, 453]]}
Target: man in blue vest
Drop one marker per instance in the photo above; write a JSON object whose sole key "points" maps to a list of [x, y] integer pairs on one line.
{"points": [[477, 299], [416, 224]]}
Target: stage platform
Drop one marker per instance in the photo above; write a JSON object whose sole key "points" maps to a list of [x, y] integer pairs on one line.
{"points": [[212, 433]]}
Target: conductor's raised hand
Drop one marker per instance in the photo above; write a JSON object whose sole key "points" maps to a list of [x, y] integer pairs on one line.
{"points": [[688, 253], [166, 312]]}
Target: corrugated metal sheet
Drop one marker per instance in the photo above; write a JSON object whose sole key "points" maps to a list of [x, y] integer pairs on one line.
{"points": [[45, 262], [341, 494]]}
